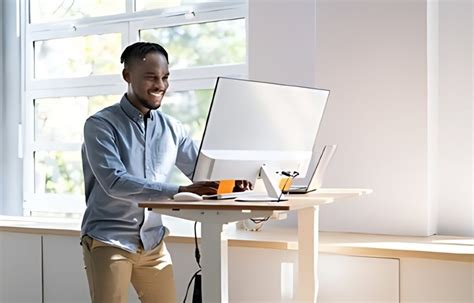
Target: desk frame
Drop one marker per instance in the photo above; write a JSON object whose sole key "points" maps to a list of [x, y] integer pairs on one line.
{"points": [[214, 214]]}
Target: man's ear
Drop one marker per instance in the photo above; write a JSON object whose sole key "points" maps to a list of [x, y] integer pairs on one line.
{"points": [[126, 75]]}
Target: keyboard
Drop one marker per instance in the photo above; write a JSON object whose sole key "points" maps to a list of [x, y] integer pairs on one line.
{"points": [[226, 196]]}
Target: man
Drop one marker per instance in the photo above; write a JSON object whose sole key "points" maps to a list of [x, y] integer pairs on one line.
{"points": [[129, 150]]}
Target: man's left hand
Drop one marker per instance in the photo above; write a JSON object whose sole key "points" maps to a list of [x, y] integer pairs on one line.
{"points": [[242, 185]]}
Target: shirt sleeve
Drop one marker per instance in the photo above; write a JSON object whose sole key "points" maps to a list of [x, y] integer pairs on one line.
{"points": [[187, 154], [104, 159]]}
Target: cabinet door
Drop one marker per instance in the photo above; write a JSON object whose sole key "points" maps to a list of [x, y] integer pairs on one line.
{"points": [[65, 279], [20, 267], [358, 279], [270, 275], [425, 280]]}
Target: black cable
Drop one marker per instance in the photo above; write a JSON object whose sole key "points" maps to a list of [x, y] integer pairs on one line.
{"points": [[290, 176], [197, 255], [257, 220], [189, 284]]}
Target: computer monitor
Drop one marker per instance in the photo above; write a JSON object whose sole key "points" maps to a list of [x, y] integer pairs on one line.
{"points": [[259, 129]]}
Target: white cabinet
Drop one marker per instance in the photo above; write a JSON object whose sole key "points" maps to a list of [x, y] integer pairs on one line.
{"points": [[65, 279], [425, 280], [64, 275], [262, 275], [358, 279], [20, 268], [50, 269], [270, 275]]}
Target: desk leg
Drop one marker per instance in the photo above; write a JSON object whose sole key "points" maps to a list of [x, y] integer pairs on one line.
{"points": [[214, 263], [308, 237]]}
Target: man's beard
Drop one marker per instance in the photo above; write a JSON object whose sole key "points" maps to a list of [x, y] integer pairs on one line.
{"points": [[146, 104]]}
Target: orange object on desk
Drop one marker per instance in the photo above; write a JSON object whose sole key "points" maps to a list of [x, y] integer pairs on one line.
{"points": [[225, 186], [285, 184]]}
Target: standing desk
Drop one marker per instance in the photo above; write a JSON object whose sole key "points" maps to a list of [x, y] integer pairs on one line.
{"points": [[214, 214]]}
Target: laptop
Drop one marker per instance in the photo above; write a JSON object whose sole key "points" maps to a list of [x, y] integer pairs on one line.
{"points": [[316, 169], [311, 182]]}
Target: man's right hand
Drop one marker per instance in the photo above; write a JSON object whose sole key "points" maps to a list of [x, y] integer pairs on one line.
{"points": [[201, 188]]}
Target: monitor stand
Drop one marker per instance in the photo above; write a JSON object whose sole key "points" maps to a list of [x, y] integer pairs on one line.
{"points": [[271, 180]]}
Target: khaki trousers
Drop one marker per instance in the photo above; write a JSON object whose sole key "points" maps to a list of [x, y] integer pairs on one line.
{"points": [[110, 270]]}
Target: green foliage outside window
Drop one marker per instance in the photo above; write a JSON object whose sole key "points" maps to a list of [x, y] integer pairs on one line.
{"points": [[201, 44], [59, 173]]}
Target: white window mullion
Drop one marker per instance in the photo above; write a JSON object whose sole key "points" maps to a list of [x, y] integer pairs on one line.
{"points": [[133, 33], [189, 74], [185, 85], [116, 89], [138, 16], [28, 156], [91, 81], [78, 31], [203, 72], [31, 37], [55, 146], [29, 60], [129, 6], [59, 203], [183, 19]]}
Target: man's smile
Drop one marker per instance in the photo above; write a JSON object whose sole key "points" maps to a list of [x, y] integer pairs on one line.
{"points": [[157, 94]]}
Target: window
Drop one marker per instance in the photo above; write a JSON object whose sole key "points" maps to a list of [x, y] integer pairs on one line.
{"points": [[77, 56], [211, 43], [72, 70], [58, 136], [42, 11], [153, 4]]}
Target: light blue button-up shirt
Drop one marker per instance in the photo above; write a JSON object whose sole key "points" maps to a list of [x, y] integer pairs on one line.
{"points": [[124, 163]]}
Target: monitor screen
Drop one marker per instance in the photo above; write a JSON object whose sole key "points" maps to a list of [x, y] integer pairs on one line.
{"points": [[253, 124]]}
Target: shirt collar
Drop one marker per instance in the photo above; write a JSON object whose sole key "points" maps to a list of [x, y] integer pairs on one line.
{"points": [[131, 110]]}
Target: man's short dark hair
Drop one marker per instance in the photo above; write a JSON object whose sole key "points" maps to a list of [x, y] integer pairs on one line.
{"points": [[139, 50]]}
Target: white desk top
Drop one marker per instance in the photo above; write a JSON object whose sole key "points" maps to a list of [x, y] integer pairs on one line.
{"points": [[295, 201]]}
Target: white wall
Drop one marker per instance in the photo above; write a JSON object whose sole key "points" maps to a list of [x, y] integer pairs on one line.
{"points": [[11, 199], [433, 110], [401, 131], [409, 86], [2, 112], [281, 41], [455, 124], [376, 67]]}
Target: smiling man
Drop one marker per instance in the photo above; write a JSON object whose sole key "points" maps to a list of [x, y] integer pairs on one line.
{"points": [[128, 153]]}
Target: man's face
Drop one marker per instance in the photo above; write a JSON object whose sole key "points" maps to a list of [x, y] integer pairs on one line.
{"points": [[147, 81]]}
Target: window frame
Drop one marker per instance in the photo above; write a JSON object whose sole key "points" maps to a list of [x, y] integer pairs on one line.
{"points": [[128, 24], [33, 84]]}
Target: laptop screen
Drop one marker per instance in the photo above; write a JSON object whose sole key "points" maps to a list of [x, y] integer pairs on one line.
{"points": [[317, 168]]}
